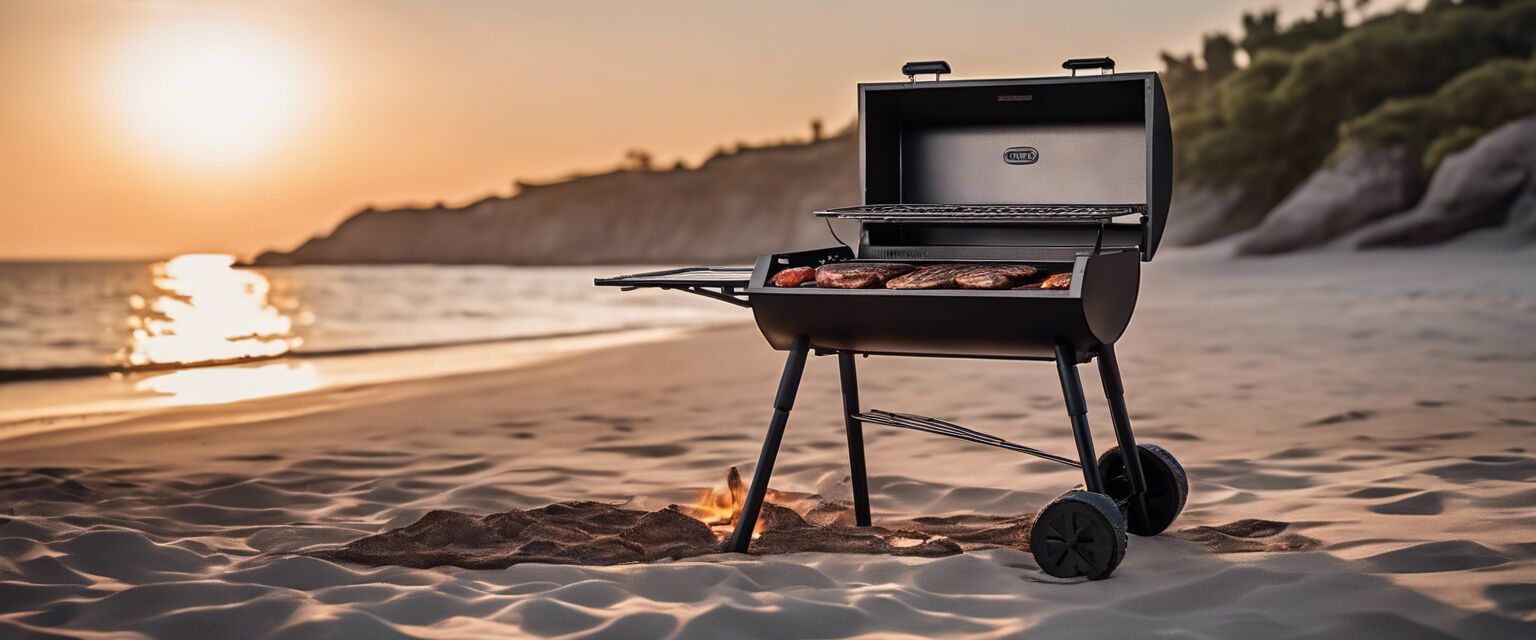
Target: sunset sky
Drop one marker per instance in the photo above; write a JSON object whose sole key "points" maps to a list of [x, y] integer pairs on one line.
{"points": [[151, 128]]}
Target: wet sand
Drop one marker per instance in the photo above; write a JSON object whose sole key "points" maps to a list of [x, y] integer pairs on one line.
{"points": [[1357, 430]]}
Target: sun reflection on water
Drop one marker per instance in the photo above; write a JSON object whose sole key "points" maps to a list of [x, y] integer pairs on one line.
{"points": [[204, 310], [231, 384]]}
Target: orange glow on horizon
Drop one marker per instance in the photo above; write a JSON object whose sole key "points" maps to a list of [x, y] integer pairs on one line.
{"points": [[153, 128]]}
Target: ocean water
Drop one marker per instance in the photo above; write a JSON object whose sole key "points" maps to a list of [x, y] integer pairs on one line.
{"points": [[63, 320]]}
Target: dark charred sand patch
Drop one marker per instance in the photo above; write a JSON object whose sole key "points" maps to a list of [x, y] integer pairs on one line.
{"points": [[593, 533]]}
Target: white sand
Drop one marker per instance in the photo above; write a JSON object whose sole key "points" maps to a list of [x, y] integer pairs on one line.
{"points": [[1383, 405]]}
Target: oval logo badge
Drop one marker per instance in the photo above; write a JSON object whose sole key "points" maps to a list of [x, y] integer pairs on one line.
{"points": [[1021, 155]]}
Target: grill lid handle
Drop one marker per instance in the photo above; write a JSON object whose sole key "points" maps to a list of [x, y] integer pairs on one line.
{"points": [[935, 67], [1074, 64]]}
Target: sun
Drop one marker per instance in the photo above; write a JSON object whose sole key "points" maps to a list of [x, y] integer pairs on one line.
{"points": [[206, 95]]}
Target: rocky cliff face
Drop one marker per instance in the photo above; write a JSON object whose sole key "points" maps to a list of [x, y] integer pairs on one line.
{"points": [[1361, 187], [1491, 183], [731, 209]]}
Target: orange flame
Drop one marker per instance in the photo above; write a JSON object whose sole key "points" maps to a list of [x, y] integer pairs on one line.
{"points": [[720, 508]]}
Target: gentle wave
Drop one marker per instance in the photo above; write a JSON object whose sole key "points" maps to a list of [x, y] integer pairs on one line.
{"points": [[70, 320], [60, 373]]}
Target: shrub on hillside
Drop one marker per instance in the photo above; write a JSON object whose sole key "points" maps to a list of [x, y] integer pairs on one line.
{"points": [[1267, 126], [1453, 117]]}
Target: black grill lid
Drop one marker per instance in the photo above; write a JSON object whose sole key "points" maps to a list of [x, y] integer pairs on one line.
{"points": [[1025, 151]]}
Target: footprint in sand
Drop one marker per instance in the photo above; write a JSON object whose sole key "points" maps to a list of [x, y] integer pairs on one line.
{"points": [[1511, 468], [644, 451], [250, 458], [1435, 557], [1295, 453], [1353, 415], [1248, 535], [1160, 434], [1428, 503], [1377, 493], [721, 437], [1516, 598]]}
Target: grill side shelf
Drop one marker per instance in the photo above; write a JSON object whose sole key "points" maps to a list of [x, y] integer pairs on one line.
{"points": [[717, 283]]}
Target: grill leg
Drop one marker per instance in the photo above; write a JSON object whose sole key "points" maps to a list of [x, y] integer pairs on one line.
{"points": [[1109, 373], [855, 431], [1077, 410], [789, 383]]}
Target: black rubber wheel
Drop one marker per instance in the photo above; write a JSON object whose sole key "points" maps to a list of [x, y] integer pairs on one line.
{"points": [[1167, 487], [1079, 534]]}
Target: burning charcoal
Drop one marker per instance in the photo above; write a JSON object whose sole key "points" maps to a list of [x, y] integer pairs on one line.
{"points": [[794, 277], [1058, 281], [995, 276], [858, 275], [937, 276]]}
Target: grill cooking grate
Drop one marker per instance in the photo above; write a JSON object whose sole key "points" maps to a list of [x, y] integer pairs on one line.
{"points": [[983, 212]]}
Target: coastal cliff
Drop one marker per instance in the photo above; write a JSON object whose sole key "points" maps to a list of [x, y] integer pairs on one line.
{"points": [[730, 209]]}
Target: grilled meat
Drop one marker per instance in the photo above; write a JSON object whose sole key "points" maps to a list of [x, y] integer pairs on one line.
{"points": [[1057, 281], [995, 276], [794, 277], [858, 275], [934, 276]]}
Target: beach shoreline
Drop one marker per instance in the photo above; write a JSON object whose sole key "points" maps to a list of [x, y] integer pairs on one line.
{"points": [[40, 406], [1379, 408]]}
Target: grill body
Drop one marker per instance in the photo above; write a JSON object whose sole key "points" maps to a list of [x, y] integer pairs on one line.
{"points": [[1011, 324]]}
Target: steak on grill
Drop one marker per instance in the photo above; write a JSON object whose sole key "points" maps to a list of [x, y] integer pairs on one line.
{"points": [[794, 277], [934, 276], [995, 276], [858, 275], [1056, 281]]}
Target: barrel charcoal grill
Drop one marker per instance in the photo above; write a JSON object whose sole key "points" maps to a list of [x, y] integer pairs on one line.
{"points": [[1066, 174]]}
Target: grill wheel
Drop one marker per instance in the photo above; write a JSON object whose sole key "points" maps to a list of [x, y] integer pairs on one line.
{"points": [[1079, 534], [1167, 487]]}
